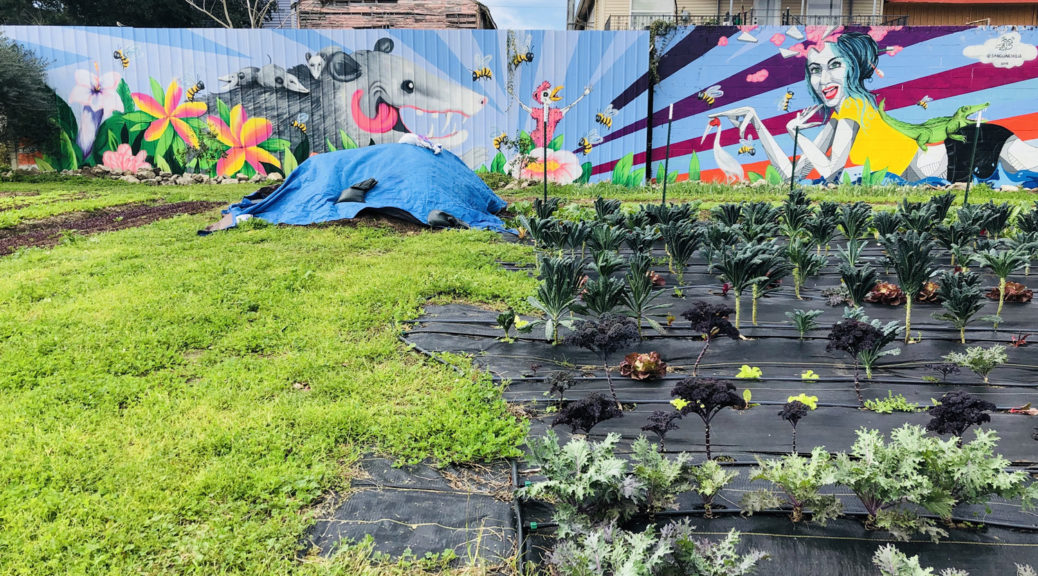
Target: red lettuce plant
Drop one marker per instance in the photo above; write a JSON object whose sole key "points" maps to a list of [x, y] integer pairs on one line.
{"points": [[641, 366]]}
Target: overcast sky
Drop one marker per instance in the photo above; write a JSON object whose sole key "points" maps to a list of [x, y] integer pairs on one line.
{"points": [[529, 14]]}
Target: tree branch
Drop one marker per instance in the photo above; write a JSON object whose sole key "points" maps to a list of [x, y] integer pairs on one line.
{"points": [[227, 24]]}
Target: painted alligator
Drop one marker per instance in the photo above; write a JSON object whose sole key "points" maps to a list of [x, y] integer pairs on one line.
{"points": [[934, 130]]}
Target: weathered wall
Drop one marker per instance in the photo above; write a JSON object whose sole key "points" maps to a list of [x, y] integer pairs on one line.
{"points": [[733, 120], [259, 88], [417, 14]]}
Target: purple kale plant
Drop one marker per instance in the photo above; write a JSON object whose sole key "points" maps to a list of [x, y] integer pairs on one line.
{"points": [[705, 397], [660, 423], [607, 334], [711, 321], [585, 414], [956, 412], [792, 412]]}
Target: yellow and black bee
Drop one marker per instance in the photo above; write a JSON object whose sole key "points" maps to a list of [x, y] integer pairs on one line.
{"points": [[605, 117], [194, 90], [521, 51], [746, 146], [924, 102], [711, 94], [784, 102], [300, 122], [589, 141], [122, 56], [482, 70], [499, 140]]}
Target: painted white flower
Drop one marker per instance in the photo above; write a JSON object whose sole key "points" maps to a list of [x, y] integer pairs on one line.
{"points": [[100, 98]]}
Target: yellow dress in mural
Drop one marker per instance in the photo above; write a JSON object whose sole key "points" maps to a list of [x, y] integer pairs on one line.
{"points": [[883, 146]]}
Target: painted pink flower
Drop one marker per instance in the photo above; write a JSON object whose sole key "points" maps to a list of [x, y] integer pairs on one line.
{"points": [[244, 136], [563, 166], [123, 159], [893, 50], [171, 111], [777, 39], [722, 41]]}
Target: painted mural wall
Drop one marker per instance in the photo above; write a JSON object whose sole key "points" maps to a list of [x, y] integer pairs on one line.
{"points": [[228, 102], [872, 105]]}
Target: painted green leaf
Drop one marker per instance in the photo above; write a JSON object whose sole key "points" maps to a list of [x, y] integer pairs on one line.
{"points": [[693, 168], [498, 164], [138, 116], [585, 173], [622, 169], [328, 146], [223, 111], [482, 169], [556, 143], [878, 177], [846, 178], [302, 150], [636, 178], [289, 163], [124, 94], [753, 176], [866, 173], [44, 165], [162, 146], [275, 145], [158, 91], [162, 164], [347, 142], [672, 177], [113, 142], [69, 155], [772, 175], [66, 118]]}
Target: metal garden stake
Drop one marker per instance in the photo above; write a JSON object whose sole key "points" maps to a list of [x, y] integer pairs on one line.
{"points": [[666, 155], [793, 173], [544, 140], [973, 158]]}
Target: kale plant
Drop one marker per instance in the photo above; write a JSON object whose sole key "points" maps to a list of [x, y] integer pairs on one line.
{"points": [[706, 397], [956, 412], [681, 239], [604, 238], [864, 341], [961, 297], [605, 262], [601, 295], [740, 266], [604, 336], [558, 382], [858, 281], [911, 255], [885, 223], [760, 221], [795, 212], [557, 292], [639, 295], [980, 360], [711, 321], [708, 479], [892, 562], [996, 217], [854, 220], [804, 320], [1002, 264], [771, 267], [800, 480], [822, 228], [805, 262], [607, 211], [545, 209], [727, 214], [792, 412], [586, 413], [660, 423], [955, 235]]}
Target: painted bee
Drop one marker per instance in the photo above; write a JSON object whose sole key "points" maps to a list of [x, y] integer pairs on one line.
{"points": [[521, 50], [924, 102], [590, 140], [746, 146], [300, 122], [194, 90], [711, 94], [783, 104], [605, 117], [481, 71], [499, 140], [123, 55]]}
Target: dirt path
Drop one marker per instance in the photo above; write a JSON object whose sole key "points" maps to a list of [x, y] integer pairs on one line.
{"points": [[48, 232]]}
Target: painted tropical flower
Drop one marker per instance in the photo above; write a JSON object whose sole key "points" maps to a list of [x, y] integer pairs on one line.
{"points": [[123, 159], [244, 137], [563, 166], [99, 96], [170, 111]]}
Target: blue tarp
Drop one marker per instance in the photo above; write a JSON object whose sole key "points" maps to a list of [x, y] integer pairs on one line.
{"points": [[410, 178]]}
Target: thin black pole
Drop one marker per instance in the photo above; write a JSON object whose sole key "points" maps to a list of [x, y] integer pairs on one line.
{"points": [[973, 158], [666, 156], [544, 140], [793, 173]]}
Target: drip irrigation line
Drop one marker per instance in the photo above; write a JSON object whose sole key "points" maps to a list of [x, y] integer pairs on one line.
{"points": [[518, 515]]}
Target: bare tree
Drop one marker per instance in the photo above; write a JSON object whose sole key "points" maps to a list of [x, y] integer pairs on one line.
{"points": [[223, 12]]}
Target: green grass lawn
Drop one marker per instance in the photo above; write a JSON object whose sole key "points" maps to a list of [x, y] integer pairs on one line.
{"points": [[155, 413], [173, 404]]}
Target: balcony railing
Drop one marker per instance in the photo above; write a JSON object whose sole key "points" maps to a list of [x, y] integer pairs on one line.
{"points": [[755, 17]]}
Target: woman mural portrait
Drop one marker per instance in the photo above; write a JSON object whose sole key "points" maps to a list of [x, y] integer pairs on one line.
{"points": [[855, 127]]}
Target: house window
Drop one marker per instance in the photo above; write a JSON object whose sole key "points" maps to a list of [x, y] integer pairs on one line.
{"points": [[824, 10], [652, 7]]}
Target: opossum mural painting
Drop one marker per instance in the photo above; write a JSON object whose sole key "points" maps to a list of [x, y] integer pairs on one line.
{"points": [[231, 102]]}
